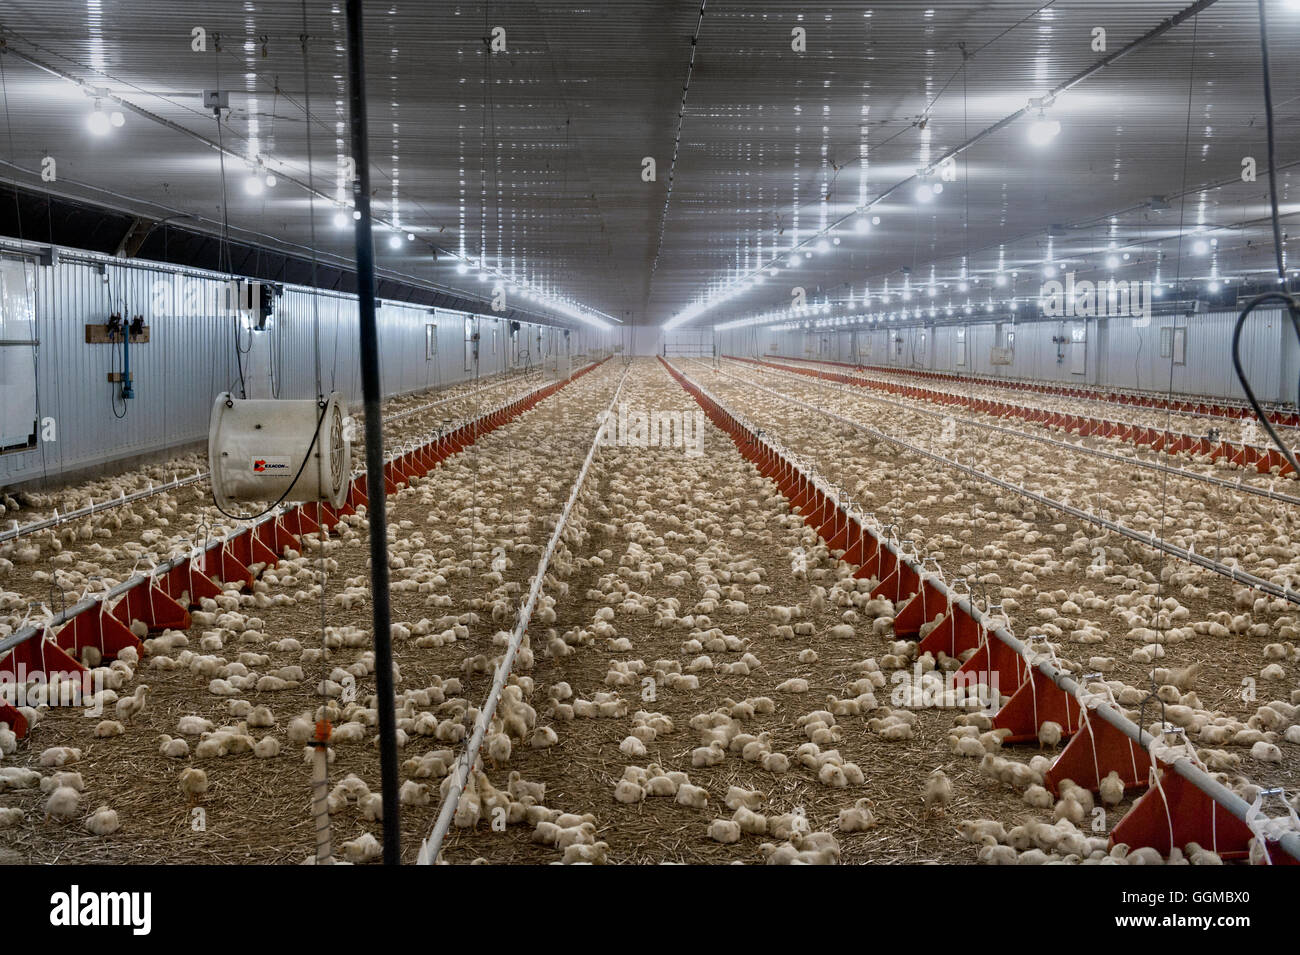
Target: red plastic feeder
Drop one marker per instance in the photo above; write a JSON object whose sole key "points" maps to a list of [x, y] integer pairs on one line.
{"points": [[99, 628], [1177, 809], [1037, 701], [1094, 752], [153, 606]]}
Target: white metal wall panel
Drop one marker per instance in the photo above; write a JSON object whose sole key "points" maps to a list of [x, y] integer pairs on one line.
{"points": [[190, 357]]}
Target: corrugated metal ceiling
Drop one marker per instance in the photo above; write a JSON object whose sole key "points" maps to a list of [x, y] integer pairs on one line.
{"points": [[543, 176]]}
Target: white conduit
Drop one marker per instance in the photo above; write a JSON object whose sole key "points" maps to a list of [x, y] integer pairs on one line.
{"points": [[1149, 540], [1237, 485], [459, 775]]}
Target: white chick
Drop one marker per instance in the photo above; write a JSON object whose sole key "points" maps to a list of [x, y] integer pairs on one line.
{"points": [[1111, 789], [365, 848], [174, 747], [1049, 734], [193, 783], [133, 705], [938, 791], [103, 821], [63, 803]]}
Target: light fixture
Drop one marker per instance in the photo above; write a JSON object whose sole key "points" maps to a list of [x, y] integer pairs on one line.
{"points": [[924, 193], [1214, 285], [356, 214], [461, 268], [98, 121], [1200, 247], [410, 237], [861, 225], [1049, 270], [823, 246], [1112, 261], [340, 219], [394, 241], [116, 118], [253, 186], [793, 261], [963, 285], [270, 181], [1043, 130], [1000, 280], [875, 220], [937, 188]]}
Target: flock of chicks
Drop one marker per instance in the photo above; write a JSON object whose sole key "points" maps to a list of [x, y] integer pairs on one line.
{"points": [[1162, 609], [73, 553], [673, 555], [89, 555]]}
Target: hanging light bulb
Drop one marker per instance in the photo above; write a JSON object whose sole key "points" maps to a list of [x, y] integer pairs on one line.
{"points": [[116, 118], [340, 219], [270, 180], [1043, 130], [98, 121], [394, 241], [1112, 261], [253, 186]]}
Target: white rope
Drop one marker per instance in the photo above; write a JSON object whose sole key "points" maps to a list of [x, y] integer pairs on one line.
{"points": [[431, 846]]}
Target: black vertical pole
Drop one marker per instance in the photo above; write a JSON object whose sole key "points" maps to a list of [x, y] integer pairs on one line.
{"points": [[374, 441]]}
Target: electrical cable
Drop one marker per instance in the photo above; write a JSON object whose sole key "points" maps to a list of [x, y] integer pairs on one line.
{"points": [[223, 249], [1281, 297]]}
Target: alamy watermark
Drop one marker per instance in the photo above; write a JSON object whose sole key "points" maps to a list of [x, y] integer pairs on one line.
{"points": [[1086, 299], [55, 688], [653, 429], [968, 690]]}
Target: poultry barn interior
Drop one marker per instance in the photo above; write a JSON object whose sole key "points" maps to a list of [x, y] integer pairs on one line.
{"points": [[521, 432]]}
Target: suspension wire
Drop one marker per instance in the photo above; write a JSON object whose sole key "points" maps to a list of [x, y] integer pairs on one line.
{"points": [[324, 847], [224, 261], [1281, 297], [1158, 616]]}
